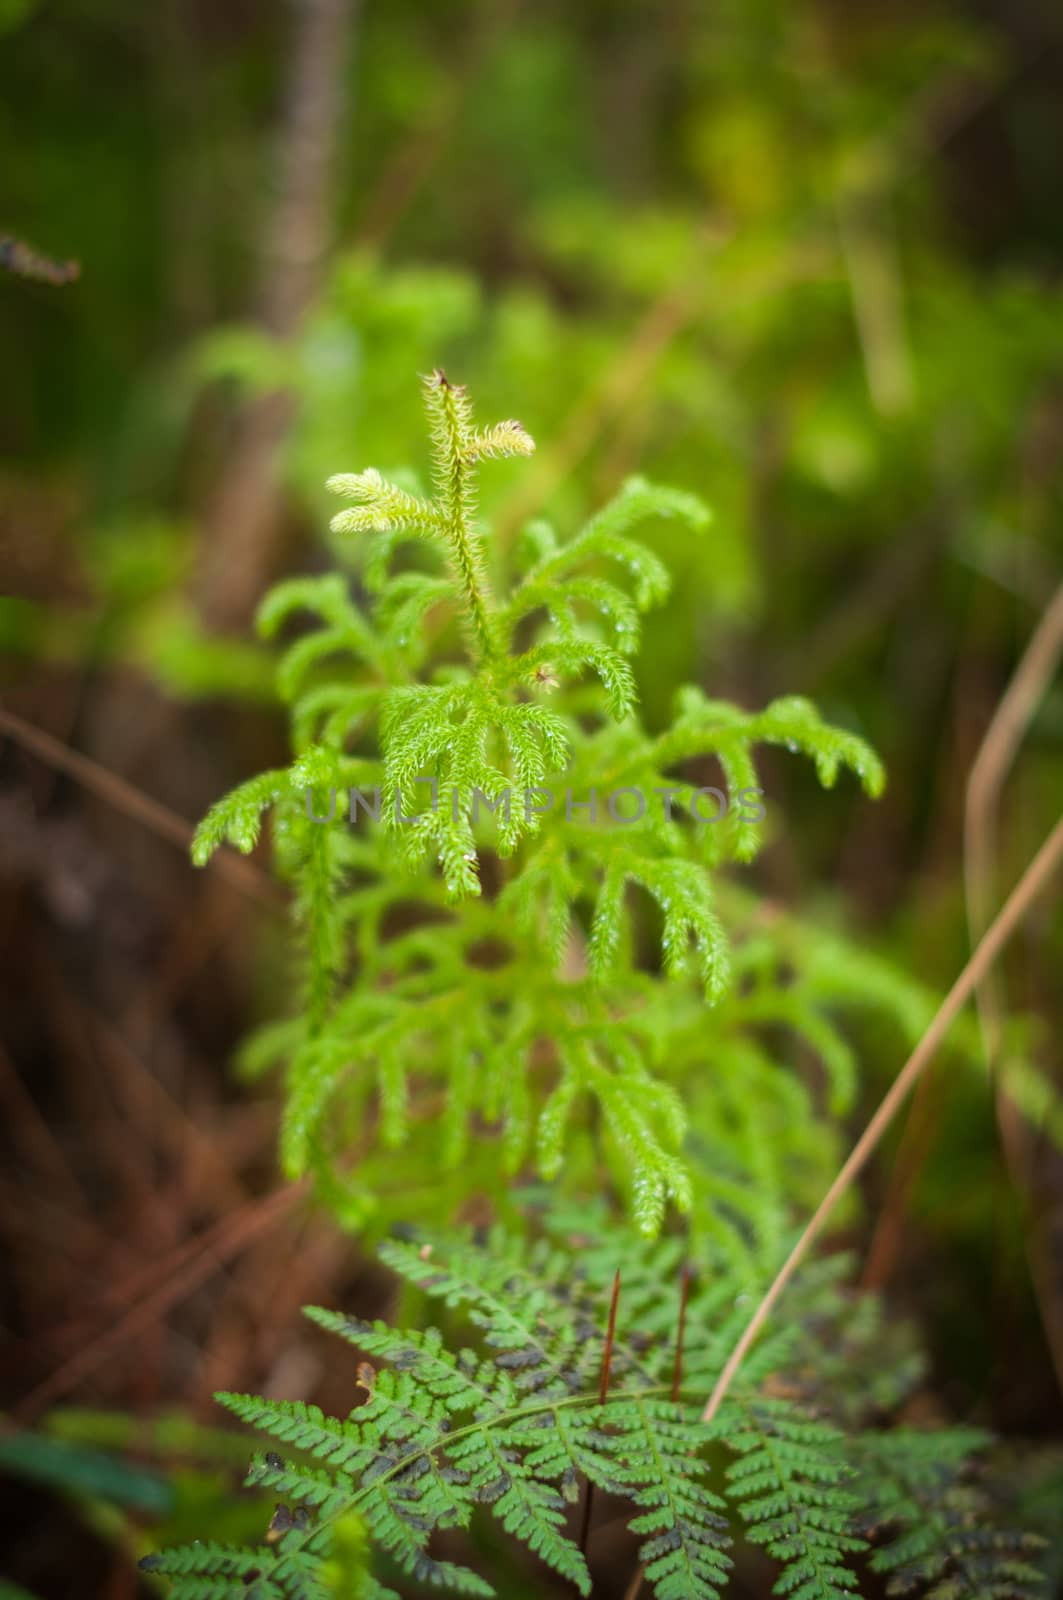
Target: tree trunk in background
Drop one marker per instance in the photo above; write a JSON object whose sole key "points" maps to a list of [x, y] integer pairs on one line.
{"points": [[243, 520]]}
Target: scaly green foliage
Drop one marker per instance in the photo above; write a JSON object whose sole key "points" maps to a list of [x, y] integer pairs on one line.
{"points": [[475, 954], [516, 1427]]}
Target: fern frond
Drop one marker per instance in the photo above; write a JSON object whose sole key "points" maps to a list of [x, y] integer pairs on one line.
{"points": [[210, 1571], [512, 1427], [685, 1537], [787, 1482], [942, 1541], [510, 1430]]}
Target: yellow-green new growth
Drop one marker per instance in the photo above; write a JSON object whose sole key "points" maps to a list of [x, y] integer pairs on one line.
{"points": [[456, 449]]}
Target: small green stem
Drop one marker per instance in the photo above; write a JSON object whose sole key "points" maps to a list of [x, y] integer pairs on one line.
{"points": [[456, 499]]}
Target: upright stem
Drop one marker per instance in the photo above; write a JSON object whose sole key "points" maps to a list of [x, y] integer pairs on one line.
{"points": [[603, 1390], [449, 412]]}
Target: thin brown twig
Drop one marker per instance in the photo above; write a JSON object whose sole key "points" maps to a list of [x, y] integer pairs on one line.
{"points": [[1037, 875], [994, 757], [134, 803], [208, 1253], [681, 1331], [603, 1390], [994, 760], [913, 1149]]}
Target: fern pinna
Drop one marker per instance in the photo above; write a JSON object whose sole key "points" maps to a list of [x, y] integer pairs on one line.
{"points": [[516, 1428], [501, 823]]}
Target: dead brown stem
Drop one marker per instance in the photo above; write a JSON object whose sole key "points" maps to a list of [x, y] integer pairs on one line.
{"points": [[134, 803], [1037, 875], [603, 1390], [995, 758]]}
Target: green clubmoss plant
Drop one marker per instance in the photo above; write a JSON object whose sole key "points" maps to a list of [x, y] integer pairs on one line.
{"points": [[480, 988]]}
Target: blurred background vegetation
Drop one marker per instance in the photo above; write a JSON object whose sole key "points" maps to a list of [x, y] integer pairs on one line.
{"points": [[800, 257]]}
